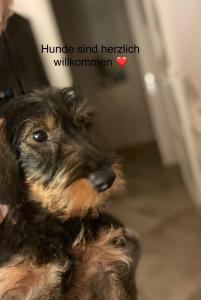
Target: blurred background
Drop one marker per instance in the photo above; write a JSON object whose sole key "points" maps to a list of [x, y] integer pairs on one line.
{"points": [[149, 111]]}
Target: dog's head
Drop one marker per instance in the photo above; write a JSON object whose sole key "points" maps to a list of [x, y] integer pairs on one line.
{"points": [[46, 150]]}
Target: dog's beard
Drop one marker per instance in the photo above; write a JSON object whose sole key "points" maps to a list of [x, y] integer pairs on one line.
{"points": [[76, 199]]}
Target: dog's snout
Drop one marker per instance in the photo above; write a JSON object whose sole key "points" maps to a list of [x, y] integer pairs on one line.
{"points": [[102, 180]]}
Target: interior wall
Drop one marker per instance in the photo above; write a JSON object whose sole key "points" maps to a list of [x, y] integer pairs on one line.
{"points": [[122, 117], [181, 22], [44, 28]]}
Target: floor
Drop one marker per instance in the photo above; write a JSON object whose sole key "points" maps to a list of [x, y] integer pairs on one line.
{"points": [[158, 207]]}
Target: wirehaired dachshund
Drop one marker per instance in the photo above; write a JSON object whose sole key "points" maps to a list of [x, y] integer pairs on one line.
{"points": [[56, 242]]}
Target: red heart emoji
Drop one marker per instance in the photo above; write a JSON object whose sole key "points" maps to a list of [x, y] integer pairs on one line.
{"points": [[121, 60]]}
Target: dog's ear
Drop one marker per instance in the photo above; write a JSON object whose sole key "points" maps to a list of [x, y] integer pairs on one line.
{"points": [[83, 112], [9, 171], [80, 109]]}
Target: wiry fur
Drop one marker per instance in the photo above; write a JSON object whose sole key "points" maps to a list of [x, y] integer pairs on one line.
{"points": [[54, 241], [22, 279]]}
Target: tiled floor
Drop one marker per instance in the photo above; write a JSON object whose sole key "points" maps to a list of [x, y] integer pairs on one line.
{"points": [[158, 207]]}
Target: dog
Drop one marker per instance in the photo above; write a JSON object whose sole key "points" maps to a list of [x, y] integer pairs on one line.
{"points": [[56, 241]]}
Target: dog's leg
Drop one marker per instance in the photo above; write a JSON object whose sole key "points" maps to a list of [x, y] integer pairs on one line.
{"points": [[105, 268], [21, 279]]}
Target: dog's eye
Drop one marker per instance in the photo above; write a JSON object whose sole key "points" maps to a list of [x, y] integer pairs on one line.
{"points": [[39, 136]]}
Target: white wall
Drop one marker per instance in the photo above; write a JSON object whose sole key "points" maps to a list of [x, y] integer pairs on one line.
{"points": [[182, 28], [41, 17]]}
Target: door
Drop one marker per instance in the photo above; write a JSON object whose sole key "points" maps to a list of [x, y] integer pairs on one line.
{"points": [[172, 117]]}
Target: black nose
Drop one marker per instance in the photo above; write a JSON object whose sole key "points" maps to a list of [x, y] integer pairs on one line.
{"points": [[102, 180]]}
